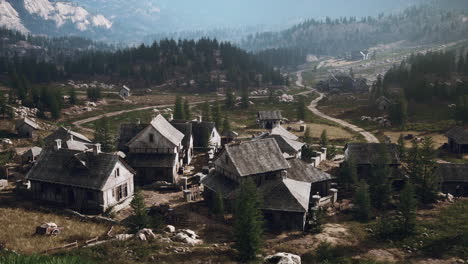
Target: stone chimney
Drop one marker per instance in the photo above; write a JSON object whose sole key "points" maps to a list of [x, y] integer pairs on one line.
{"points": [[171, 117], [138, 121], [71, 137], [96, 149], [200, 118], [58, 144], [284, 175]]}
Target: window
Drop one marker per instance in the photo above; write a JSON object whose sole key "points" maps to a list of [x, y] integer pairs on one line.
{"points": [[125, 190], [113, 192], [151, 138], [117, 172]]}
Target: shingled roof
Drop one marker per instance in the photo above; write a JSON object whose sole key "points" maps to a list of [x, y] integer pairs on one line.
{"points": [[452, 172], [65, 135], [459, 135], [303, 172], [286, 145], [201, 130], [367, 153], [269, 115], [27, 121], [256, 157], [127, 132], [186, 128], [283, 132], [165, 129], [286, 195], [74, 168]]}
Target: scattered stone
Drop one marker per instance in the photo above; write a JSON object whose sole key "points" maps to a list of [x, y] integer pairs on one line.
{"points": [[123, 237], [145, 234], [283, 258], [170, 229], [187, 236]]}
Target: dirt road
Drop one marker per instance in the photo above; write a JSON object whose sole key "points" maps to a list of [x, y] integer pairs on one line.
{"points": [[313, 107]]}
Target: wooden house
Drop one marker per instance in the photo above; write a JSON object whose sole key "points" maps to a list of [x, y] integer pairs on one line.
{"points": [[26, 128], [87, 181], [155, 151], [383, 104], [291, 149], [70, 140], [366, 154], [269, 119], [205, 135], [286, 186], [453, 178], [124, 92], [188, 142], [31, 155], [458, 140]]}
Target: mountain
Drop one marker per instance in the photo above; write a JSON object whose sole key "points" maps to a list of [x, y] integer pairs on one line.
{"points": [[53, 18]]}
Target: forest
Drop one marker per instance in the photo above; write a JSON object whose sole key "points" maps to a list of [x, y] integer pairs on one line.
{"points": [[418, 25]]}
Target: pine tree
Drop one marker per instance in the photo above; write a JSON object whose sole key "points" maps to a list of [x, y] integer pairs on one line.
{"points": [[218, 205], [301, 108], [179, 113], [245, 97], [407, 209], [379, 180], [206, 112], [216, 113], [421, 168], [226, 124], [73, 99], [187, 112], [401, 147], [307, 136], [140, 218], [324, 139], [248, 222], [230, 99], [362, 202], [103, 134], [4, 108], [348, 174]]}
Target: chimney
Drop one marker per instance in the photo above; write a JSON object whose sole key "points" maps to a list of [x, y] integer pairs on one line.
{"points": [[96, 149], [58, 144], [71, 137], [284, 175], [138, 121], [200, 118], [171, 117]]}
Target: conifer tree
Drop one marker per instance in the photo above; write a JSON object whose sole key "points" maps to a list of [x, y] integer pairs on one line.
{"points": [[301, 108], [324, 139], [103, 134], [245, 97], [230, 99], [362, 202], [4, 108], [348, 174], [179, 113], [407, 209], [206, 112], [73, 99], [218, 205], [307, 136], [140, 218], [248, 222], [401, 147], [379, 180], [187, 112], [226, 124], [216, 113]]}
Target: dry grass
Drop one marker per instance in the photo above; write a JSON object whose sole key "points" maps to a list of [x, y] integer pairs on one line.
{"points": [[333, 132], [18, 225]]}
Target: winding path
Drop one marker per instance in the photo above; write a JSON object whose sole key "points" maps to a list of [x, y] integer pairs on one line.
{"points": [[313, 107]]}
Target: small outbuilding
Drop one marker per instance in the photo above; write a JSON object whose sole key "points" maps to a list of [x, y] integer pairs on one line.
{"points": [[458, 140], [269, 119], [31, 155], [27, 128], [124, 91], [383, 103], [453, 178]]}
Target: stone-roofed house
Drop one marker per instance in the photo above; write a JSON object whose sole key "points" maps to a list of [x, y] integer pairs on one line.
{"points": [[283, 132], [186, 128], [155, 150], [458, 140], [70, 140], [286, 186], [31, 155], [366, 154], [205, 135], [453, 178], [269, 119], [26, 128], [290, 148], [87, 181], [124, 92]]}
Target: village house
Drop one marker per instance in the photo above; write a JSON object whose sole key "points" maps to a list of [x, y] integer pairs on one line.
{"points": [[453, 178], [31, 155], [155, 150], [70, 140], [186, 128], [205, 135], [383, 103], [228, 137], [458, 140], [279, 130], [27, 128], [366, 154], [86, 181], [269, 119], [286, 185], [124, 92], [291, 149]]}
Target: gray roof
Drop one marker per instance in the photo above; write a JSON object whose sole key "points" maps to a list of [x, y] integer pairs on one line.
{"points": [[269, 115], [152, 160], [256, 157], [65, 135], [74, 168], [287, 145], [165, 129], [125, 88], [283, 132], [303, 172], [34, 152], [367, 153], [286, 195], [28, 122], [452, 172], [200, 130], [458, 134], [186, 128], [220, 184]]}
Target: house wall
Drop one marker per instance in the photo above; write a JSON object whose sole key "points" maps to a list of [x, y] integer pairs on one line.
{"points": [[269, 124], [283, 221], [457, 148], [151, 175], [215, 140], [26, 131], [79, 199], [124, 180], [457, 189], [160, 144]]}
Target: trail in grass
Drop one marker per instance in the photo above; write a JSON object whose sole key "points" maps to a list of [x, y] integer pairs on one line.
{"points": [[313, 107]]}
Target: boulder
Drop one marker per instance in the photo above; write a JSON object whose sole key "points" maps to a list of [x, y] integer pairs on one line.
{"points": [[123, 237], [145, 234], [283, 258], [169, 229], [187, 236]]}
